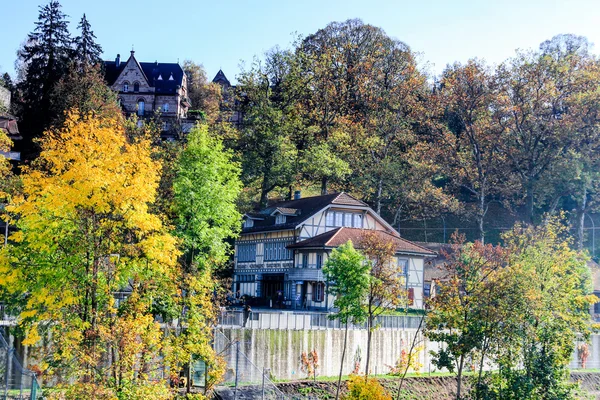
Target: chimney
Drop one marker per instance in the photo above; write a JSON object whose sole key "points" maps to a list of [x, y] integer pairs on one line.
{"points": [[297, 195], [118, 60]]}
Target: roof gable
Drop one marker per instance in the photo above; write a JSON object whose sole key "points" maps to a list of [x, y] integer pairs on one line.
{"points": [[305, 208], [166, 78]]}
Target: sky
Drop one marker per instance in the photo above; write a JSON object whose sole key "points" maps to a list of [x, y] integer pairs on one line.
{"points": [[225, 34]]}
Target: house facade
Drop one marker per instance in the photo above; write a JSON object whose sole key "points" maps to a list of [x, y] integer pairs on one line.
{"points": [[143, 88], [282, 249]]}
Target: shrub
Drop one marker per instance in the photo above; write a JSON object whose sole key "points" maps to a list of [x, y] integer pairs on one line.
{"points": [[371, 389], [79, 391], [146, 391]]}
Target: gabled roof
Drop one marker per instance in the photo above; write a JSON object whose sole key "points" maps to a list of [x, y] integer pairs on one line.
{"points": [[285, 211], [306, 207], [339, 236], [151, 70], [221, 78]]}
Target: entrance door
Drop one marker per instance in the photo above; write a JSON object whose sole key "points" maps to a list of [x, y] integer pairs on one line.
{"points": [[272, 283]]}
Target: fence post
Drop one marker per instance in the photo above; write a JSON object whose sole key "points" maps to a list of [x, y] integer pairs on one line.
{"points": [[8, 362], [237, 361], [263, 385]]}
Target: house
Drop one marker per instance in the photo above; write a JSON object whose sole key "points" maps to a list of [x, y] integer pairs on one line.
{"points": [[228, 107], [145, 88], [284, 247]]}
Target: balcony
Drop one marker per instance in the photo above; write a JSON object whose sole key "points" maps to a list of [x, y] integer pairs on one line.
{"points": [[306, 274]]}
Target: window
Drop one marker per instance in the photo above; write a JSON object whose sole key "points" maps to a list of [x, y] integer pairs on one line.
{"points": [[348, 219], [136, 87], [277, 251], [126, 87], [280, 219], [247, 252], [141, 107], [249, 223], [330, 218], [339, 219], [166, 107], [318, 291], [304, 260], [358, 220], [403, 266], [319, 260], [245, 278]]}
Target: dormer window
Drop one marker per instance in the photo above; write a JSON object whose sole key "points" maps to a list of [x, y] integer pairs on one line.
{"points": [[136, 87], [280, 219], [171, 77], [159, 77], [126, 87], [165, 107], [249, 223]]}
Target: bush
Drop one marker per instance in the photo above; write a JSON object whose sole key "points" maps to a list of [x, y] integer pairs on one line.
{"points": [[371, 389], [146, 391], [79, 391]]}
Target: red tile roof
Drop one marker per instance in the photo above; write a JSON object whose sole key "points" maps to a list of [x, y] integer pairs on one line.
{"points": [[339, 236]]}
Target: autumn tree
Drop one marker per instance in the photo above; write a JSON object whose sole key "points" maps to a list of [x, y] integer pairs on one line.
{"points": [[43, 60], [205, 96], [464, 314], [387, 282], [85, 232], [466, 140], [347, 271], [548, 313], [206, 186]]}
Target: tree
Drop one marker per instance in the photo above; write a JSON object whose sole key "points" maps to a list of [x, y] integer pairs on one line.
{"points": [[467, 141], [43, 60], [82, 88], [386, 281], [549, 313], [464, 316], [205, 188], [347, 271], [204, 96], [85, 232], [87, 51], [269, 154]]}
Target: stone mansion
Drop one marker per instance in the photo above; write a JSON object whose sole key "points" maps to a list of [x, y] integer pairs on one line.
{"points": [[284, 247]]}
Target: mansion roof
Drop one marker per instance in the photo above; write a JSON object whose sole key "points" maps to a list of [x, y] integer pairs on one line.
{"points": [[166, 78], [302, 208], [339, 236]]}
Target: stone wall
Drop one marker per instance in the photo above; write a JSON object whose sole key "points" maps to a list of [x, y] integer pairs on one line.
{"points": [[4, 98], [280, 350]]}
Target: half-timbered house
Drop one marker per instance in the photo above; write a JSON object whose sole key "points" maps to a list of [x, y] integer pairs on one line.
{"points": [[282, 249]]}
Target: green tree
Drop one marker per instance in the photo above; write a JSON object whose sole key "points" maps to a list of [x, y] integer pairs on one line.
{"points": [[347, 271], [265, 142], [43, 60], [87, 51], [206, 187], [204, 96]]}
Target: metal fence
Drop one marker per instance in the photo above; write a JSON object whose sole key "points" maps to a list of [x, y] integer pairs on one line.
{"points": [[243, 379], [293, 320], [16, 382]]}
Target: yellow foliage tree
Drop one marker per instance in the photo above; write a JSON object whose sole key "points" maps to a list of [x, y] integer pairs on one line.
{"points": [[85, 233]]}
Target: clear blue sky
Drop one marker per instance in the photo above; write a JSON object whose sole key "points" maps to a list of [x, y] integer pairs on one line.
{"points": [[221, 33]]}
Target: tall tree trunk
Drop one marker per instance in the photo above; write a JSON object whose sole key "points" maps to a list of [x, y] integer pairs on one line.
{"points": [[581, 217], [369, 337], [378, 199], [481, 215], [529, 200], [324, 186], [459, 377], [337, 391], [264, 196], [410, 355]]}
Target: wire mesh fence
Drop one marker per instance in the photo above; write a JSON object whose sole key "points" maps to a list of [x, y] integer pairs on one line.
{"points": [[243, 379], [16, 382]]}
